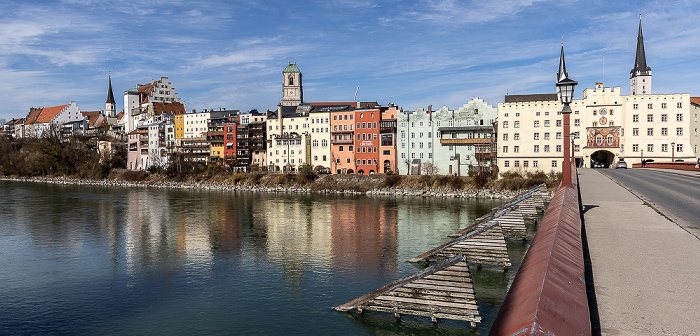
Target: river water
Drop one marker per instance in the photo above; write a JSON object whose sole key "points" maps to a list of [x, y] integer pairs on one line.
{"points": [[81, 260]]}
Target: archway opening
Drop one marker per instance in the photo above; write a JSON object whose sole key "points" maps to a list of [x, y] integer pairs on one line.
{"points": [[602, 159]]}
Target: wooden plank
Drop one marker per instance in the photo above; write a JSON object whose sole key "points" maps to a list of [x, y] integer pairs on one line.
{"points": [[466, 317], [430, 270]]}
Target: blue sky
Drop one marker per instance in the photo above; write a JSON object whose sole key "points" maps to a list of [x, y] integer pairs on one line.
{"points": [[414, 54]]}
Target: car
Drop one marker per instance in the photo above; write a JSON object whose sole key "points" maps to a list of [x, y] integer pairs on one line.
{"points": [[621, 164], [598, 165]]}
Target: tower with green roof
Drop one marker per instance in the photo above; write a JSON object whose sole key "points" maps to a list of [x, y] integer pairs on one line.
{"points": [[292, 91]]}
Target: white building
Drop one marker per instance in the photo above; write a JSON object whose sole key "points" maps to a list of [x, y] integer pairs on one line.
{"points": [[40, 121], [136, 101], [608, 127]]}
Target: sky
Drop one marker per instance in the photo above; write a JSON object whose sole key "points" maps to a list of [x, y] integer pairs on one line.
{"points": [[413, 54]]}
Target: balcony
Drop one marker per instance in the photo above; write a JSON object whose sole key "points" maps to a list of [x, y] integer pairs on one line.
{"points": [[474, 141], [341, 142]]}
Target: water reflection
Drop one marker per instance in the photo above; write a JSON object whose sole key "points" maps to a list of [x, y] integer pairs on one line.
{"points": [[139, 260]]}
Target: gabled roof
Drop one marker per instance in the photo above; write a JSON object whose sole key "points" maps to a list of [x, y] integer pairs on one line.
{"points": [[15, 121], [168, 108], [695, 100], [92, 117], [44, 115], [120, 115]]}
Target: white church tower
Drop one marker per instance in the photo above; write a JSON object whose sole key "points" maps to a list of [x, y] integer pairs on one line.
{"points": [[640, 75], [292, 91]]}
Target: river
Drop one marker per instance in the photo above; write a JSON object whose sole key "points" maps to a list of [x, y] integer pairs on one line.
{"points": [[92, 260]]}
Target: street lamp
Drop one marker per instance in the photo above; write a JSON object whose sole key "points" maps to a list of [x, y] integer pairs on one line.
{"points": [[673, 151], [565, 93], [642, 157]]}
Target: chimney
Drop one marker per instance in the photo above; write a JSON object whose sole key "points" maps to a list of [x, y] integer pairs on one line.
{"points": [[430, 109]]}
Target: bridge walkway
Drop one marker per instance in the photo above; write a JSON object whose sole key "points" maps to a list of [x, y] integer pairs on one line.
{"points": [[646, 269]]}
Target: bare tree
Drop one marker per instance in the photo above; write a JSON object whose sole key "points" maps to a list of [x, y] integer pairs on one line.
{"points": [[428, 168]]}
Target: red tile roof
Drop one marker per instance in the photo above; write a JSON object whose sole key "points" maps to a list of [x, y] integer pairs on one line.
{"points": [[695, 100], [92, 117], [44, 115], [168, 108]]}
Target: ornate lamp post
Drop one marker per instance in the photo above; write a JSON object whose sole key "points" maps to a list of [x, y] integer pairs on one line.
{"points": [[565, 93], [673, 151]]}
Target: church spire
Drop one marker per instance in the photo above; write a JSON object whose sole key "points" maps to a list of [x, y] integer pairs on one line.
{"points": [[640, 60], [110, 104], [110, 94], [640, 75]]}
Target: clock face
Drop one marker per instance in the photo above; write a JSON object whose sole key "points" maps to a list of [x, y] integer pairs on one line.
{"points": [[603, 121], [603, 111]]}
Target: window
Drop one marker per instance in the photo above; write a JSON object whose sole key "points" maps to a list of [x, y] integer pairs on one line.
{"points": [[679, 131], [635, 106], [663, 105], [558, 135], [679, 105], [537, 148], [650, 148], [635, 131], [635, 117], [315, 143], [679, 147], [546, 123], [650, 131], [595, 124], [516, 149], [546, 136], [324, 143], [516, 124], [577, 122], [537, 123], [505, 124], [679, 117], [386, 152], [664, 147], [516, 163], [558, 148], [611, 123], [650, 118], [664, 117], [506, 163], [635, 148], [505, 136], [650, 106], [516, 136], [558, 123], [546, 148], [525, 164], [505, 149], [537, 136], [577, 148], [554, 163]]}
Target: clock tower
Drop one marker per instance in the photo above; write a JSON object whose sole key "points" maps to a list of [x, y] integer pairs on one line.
{"points": [[292, 91]]}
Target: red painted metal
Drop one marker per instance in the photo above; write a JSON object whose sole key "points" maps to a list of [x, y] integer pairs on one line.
{"points": [[548, 295]]}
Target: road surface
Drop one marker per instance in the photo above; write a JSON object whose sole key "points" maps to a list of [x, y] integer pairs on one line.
{"points": [[674, 196]]}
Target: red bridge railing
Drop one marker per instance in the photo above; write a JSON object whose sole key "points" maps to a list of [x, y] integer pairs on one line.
{"points": [[548, 295]]}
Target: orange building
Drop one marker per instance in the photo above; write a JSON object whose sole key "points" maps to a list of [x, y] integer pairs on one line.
{"points": [[387, 139], [342, 142]]}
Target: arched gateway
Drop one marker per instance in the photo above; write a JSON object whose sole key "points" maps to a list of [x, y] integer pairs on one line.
{"points": [[602, 159]]}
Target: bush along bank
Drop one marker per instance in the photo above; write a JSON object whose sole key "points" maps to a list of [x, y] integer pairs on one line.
{"points": [[307, 181]]}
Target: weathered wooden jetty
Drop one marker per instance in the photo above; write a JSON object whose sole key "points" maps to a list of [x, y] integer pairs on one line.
{"points": [[445, 289], [442, 291]]}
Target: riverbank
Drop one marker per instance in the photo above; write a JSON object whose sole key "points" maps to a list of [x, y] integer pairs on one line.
{"points": [[425, 186]]}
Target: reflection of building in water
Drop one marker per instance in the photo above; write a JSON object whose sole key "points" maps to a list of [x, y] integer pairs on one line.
{"points": [[364, 235], [421, 231], [153, 232], [297, 232]]}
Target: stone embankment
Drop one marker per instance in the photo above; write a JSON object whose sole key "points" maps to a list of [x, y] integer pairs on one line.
{"points": [[464, 193]]}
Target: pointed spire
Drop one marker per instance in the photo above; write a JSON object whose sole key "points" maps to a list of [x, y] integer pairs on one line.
{"points": [[110, 94], [640, 60], [562, 74]]}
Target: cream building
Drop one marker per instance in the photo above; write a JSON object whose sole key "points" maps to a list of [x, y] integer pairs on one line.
{"points": [[608, 127]]}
